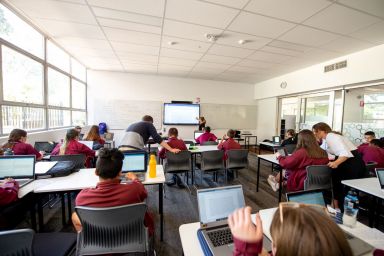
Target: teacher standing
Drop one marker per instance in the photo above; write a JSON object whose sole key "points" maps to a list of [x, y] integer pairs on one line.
{"points": [[137, 135], [202, 122]]}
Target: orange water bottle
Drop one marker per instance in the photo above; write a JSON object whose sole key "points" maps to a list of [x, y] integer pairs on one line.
{"points": [[152, 166]]}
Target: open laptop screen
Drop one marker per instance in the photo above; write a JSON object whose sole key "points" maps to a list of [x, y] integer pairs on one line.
{"points": [[87, 143], [380, 175], [276, 139], [217, 203], [135, 161], [46, 146], [197, 134], [17, 167], [307, 197]]}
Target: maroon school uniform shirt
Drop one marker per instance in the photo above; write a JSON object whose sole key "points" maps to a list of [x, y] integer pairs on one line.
{"points": [[112, 193], [9, 192], [21, 148], [173, 142], [296, 164], [372, 154], [73, 148], [228, 144], [207, 136]]}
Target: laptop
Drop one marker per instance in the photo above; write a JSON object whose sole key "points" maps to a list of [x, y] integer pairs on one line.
{"points": [[20, 168], [358, 246], [108, 136], [46, 146], [135, 161], [276, 140], [380, 176], [197, 134], [88, 143]]}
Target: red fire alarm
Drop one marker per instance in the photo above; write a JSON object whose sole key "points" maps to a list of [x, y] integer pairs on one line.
{"points": [[361, 103]]}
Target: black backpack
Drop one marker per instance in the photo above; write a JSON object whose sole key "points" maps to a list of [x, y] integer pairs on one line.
{"points": [[61, 168]]}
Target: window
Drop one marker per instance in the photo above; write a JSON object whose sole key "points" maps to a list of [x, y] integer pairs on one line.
{"points": [[374, 106], [22, 78], [57, 57], [58, 89], [78, 95], [317, 109], [18, 32], [78, 70], [79, 118], [22, 117], [59, 118]]}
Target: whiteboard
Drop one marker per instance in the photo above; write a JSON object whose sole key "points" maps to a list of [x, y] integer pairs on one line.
{"points": [[119, 114], [224, 116]]}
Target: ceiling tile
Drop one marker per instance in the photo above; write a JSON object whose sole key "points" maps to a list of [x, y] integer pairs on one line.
{"points": [[375, 7], [148, 7], [168, 68], [242, 69], [177, 61], [135, 37], [308, 36], [188, 31], [255, 64], [55, 10], [129, 26], [166, 52], [229, 51], [220, 59], [269, 57], [81, 51], [208, 71], [289, 46], [134, 67], [127, 16], [60, 29], [251, 42], [259, 25], [198, 12], [346, 45], [374, 33], [320, 55], [292, 10], [135, 48], [279, 50], [184, 44], [211, 65], [239, 4], [339, 19], [137, 58], [83, 42]]}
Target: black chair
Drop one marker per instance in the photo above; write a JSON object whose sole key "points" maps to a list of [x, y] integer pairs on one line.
{"points": [[207, 143], [211, 161], [236, 159], [319, 177], [79, 160], [290, 148], [178, 163], [111, 230], [192, 143], [370, 169], [24, 242]]}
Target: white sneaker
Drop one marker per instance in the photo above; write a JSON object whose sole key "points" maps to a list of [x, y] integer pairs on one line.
{"points": [[274, 185]]}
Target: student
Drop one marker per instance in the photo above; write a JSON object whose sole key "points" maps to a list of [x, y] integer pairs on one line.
{"points": [[8, 191], [206, 136], [300, 230], [368, 136], [308, 152], [93, 135], [137, 135], [17, 143], [71, 146], [109, 192], [173, 142], [373, 153], [290, 138], [202, 122], [228, 143], [78, 128], [348, 163]]}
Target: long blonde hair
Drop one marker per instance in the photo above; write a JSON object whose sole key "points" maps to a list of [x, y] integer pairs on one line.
{"points": [[307, 140], [71, 135]]}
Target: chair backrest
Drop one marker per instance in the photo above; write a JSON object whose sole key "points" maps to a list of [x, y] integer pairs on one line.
{"points": [[318, 177], [79, 159], [180, 162], [290, 148], [210, 143], [117, 229], [212, 160], [16, 242], [237, 158], [370, 169]]}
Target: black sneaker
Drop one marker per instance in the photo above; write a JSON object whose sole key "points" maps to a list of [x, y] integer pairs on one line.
{"points": [[172, 182]]}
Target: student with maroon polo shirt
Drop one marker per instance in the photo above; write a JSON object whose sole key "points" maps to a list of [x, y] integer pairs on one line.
{"points": [[373, 153], [8, 191], [228, 143], [71, 146], [93, 135], [16, 142], [173, 142], [109, 192], [368, 136], [206, 136]]}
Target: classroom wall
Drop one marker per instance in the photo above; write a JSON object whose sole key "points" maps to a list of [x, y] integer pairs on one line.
{"points": [[266, 119], [106, 86]]}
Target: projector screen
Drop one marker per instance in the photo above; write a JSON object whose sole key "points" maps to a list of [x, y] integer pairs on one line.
{"points": [[177, 113]]}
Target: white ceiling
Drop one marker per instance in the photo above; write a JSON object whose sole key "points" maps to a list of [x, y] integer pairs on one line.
{"points": [[281, 36]]}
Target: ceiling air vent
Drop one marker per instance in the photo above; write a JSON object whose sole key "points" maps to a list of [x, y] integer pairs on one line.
{"points": [[338, 65]]}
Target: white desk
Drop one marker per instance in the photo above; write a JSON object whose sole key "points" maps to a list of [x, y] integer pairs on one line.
{"points": [[191, 245], [269, 145], [200, 149], [271, 158]]}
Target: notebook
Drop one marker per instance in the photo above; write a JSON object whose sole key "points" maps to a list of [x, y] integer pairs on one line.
{"points": [[20, 168], [380, 176], [358, 246], [135, 161], [87, 143]]}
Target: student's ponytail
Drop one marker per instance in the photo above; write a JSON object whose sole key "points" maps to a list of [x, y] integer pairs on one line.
{"points": [[71, 135]]}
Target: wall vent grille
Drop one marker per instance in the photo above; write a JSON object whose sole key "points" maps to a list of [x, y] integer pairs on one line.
{"points": [[335, 66]]}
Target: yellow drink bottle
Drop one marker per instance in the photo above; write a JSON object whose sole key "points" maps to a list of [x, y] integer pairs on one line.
{"points": [[152, 166]]}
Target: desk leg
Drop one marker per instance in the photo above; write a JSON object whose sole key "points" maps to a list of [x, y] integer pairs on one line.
{"points": [[63, 220], [258, 174], [280, 183], [69, 204], [372, 212], [33, 214], [40, 213], [161, 211]]}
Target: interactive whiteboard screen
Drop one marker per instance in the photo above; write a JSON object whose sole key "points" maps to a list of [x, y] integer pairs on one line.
{"points": [[179, 114]]}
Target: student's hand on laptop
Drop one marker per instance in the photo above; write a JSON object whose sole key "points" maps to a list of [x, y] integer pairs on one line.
{"points": [[242, 227], [175, 150], [6, 180], [277, 154], [131, 176]]}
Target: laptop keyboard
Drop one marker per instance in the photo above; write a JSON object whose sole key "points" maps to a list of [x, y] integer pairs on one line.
{"points": [[140, 176], [220, 237]]}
